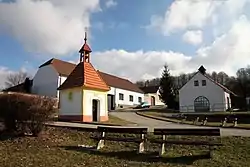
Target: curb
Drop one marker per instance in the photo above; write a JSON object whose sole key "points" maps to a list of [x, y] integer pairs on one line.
{"points": [[85, 129], [95, 123], [161, 119], [156, 118]]}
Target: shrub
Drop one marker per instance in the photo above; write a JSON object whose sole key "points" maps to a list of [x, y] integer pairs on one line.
{"points": [[25, 113]]}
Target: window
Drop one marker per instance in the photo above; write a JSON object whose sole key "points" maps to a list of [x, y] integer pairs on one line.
{"points": [[196, 83], [204, 83], [131, 98], [139, 99], [70, 96], [121, 96]]}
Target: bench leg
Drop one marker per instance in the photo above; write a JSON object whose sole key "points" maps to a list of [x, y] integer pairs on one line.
{"points": [[163, 148], [142, 144], [101, 142], [211, 148]]}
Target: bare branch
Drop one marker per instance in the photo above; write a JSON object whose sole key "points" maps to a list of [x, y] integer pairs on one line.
{"points": [[16, 78]]}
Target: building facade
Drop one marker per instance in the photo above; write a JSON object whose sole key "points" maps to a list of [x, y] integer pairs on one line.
{"points": [[203, 94], [53, 73], [152, 95], [83, 95]]}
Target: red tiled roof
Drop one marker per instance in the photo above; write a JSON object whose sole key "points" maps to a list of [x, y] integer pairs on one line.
{"points": [[85, 47], [62, 67], [84, 74], [118, 82], [65, 68]]}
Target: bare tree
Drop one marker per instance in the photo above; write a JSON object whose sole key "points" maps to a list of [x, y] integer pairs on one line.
{"points": [[16, 78]]}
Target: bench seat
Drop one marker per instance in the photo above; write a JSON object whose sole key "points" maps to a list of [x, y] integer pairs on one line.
{"points": [[107, 134], [185, 142], [208, 132], [136, 140]]}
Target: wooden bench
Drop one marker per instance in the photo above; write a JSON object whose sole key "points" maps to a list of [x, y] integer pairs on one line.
{"points": [[186, 132], [107, 134]]}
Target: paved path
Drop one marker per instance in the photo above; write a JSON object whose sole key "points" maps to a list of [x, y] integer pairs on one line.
{"points": [[152, 123]]}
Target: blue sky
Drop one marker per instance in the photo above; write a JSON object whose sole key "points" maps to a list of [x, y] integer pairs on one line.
{"points": [[119, 27], [126, 34]]}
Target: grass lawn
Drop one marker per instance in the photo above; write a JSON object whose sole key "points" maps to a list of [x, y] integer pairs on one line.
{"points": [[215, 124], [117, 121], [112, 121], [58, 147]]}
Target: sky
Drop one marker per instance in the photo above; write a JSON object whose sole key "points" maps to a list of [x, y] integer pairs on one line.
{"points": [[130, 39]]}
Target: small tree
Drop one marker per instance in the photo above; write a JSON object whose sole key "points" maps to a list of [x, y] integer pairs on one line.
{"points": [[15, 79], [168, 89]]}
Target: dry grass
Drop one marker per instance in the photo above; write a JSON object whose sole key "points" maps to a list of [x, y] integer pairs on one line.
{"points": [[117, 121], [58, 147], [214, 124]]}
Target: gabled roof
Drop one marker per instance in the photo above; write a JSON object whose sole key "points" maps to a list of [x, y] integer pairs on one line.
{"points": [[118, 82], [220, 85], [62, 67], [85, 75], [150, 89], [216, 83], [65, 68]]}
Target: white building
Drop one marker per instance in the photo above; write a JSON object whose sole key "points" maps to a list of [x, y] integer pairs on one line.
{"points": [[54, 72], [201, 94], [83, 95], [152, 95]]}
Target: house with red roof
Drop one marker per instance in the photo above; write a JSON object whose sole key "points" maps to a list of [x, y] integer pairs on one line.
{"points": [[83, 95], [54, 73], [202, 94]]}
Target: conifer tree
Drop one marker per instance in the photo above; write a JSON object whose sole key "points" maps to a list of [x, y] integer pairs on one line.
{"points": [[167, 88]]}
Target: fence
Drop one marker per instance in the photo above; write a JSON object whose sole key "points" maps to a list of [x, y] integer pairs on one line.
{"points": [[212, 107]]}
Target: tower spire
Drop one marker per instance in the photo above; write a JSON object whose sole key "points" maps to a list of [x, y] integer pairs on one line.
{"points": [[85, 38], [85, 50]]}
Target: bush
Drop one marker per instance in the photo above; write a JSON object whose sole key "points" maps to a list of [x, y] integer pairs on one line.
{"points": [[25, 113]]}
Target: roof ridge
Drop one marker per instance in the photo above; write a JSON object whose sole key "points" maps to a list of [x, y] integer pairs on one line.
{"points": [[64, 61], [114, 76], [219, 84]]}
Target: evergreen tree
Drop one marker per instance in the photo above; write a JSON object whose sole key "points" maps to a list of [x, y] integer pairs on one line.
{"points": [[168, 89]]}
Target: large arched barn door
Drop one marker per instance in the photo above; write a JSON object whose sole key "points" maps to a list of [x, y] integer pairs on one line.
{"points": [[201, 104]]}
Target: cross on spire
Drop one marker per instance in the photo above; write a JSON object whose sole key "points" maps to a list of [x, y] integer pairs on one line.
{"points": [[85, 38], [85, 50]]}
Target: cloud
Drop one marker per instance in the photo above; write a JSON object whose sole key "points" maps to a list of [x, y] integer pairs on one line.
{"points": [[138, 65], [26, 67], [4, 72], [227, 53], [110, 3], [47, 26], [193, 37], [186, 14]]}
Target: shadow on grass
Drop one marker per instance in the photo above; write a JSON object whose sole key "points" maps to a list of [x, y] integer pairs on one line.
{"points": [[7, 136], [134, 156]]}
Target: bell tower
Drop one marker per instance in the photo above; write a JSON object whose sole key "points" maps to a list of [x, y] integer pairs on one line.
{"points": [[85, 51]]}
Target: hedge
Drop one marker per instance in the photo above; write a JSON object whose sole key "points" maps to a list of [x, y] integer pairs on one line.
{"points": [[25, 113]]}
